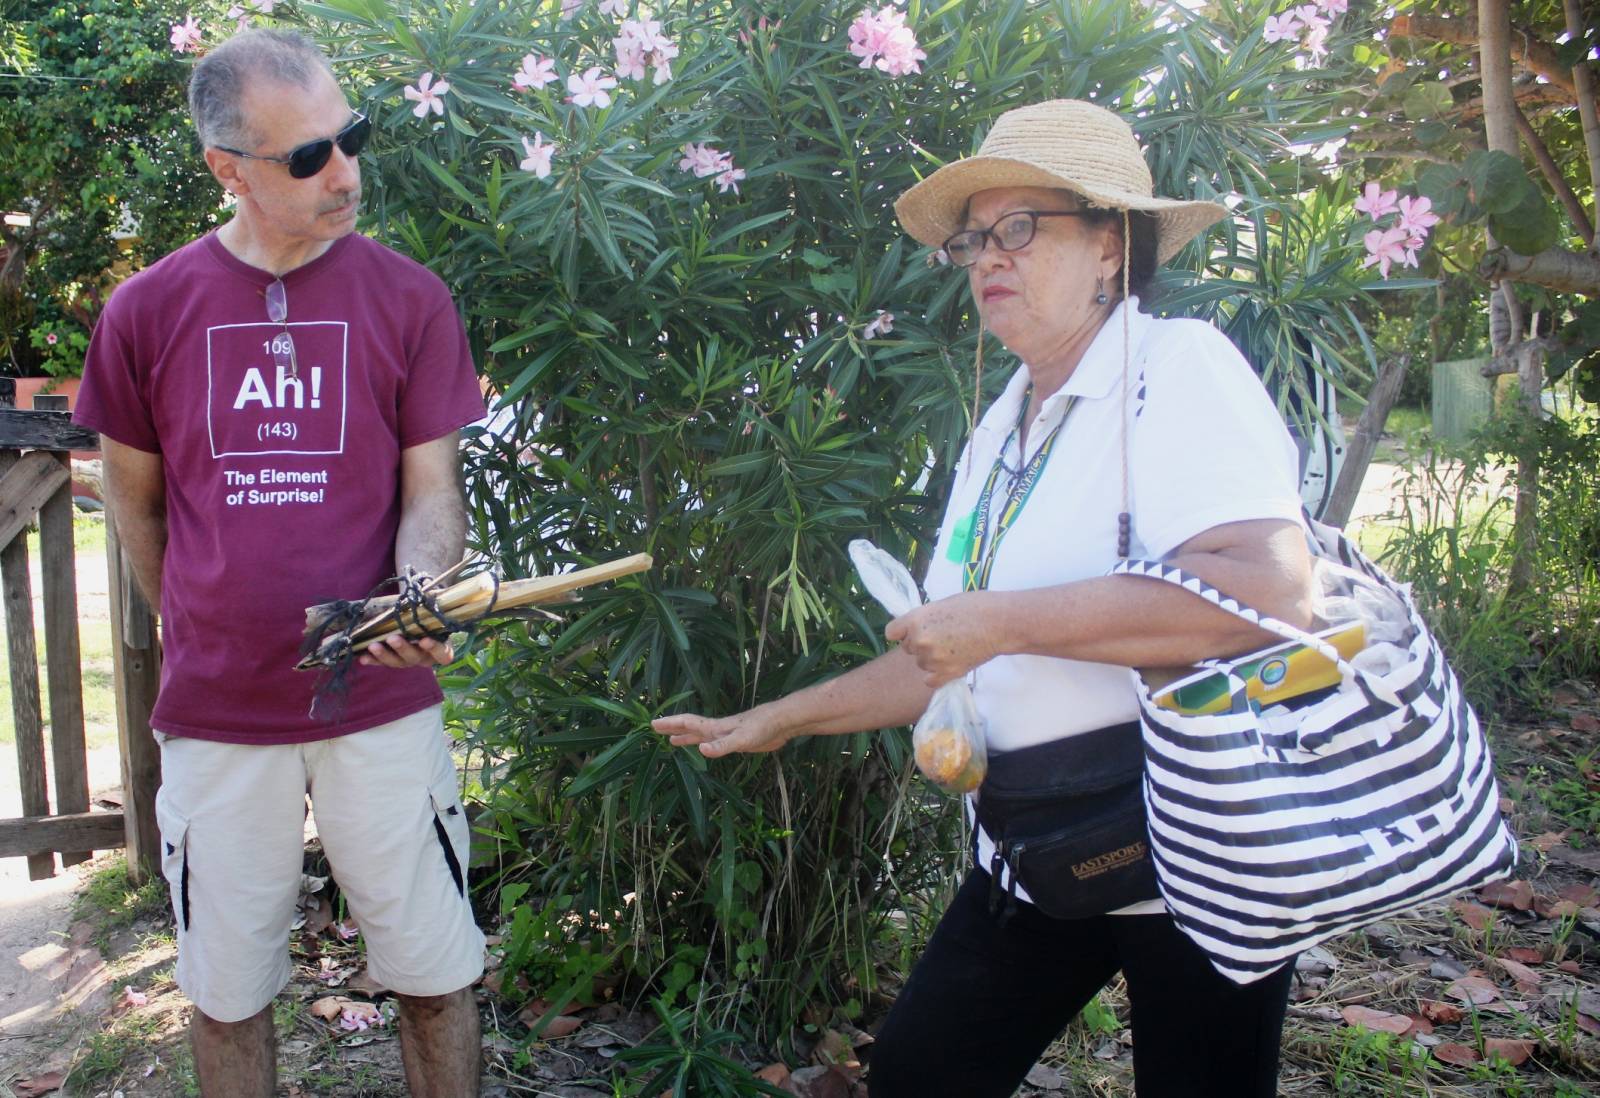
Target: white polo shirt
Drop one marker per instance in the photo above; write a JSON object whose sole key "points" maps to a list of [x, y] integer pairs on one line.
{"points": [[1206, 446]]}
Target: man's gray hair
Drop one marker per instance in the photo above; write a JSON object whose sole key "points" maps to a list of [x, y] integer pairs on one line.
{"points": [[216, 87]]}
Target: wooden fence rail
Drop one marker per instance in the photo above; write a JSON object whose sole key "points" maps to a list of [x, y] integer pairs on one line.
{"points": [[36, 487]]}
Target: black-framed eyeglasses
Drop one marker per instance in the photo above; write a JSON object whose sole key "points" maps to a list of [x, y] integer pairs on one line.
{"points": [[282, 343], [1013, 231], [307, 160]]}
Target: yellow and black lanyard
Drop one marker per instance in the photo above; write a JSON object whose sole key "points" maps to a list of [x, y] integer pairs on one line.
{"points": [[981, 542]]}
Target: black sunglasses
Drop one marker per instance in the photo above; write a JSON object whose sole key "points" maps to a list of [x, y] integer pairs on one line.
{"points": [[307, 160], [1013, 231]]}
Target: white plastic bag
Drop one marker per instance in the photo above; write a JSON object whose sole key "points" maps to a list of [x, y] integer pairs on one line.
{"points": [[949, 738]]}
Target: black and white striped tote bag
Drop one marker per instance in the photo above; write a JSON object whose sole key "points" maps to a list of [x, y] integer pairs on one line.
{"points": [[1271, 834]]}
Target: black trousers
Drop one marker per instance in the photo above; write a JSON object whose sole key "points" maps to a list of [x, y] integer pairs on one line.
{"points": [[987, 999]]}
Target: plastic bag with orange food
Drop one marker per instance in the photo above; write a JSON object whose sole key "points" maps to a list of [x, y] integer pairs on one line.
{"points": [[948, 740]]}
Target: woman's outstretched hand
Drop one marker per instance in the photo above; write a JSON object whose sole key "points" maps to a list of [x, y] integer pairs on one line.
{"points": [[949, 637], [750, 731]]}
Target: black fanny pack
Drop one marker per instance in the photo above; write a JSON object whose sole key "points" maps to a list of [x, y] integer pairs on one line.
{"points": [[1068, 822]]}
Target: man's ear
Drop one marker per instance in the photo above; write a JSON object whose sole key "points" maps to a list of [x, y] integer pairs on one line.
{"points": [[225, 166]]}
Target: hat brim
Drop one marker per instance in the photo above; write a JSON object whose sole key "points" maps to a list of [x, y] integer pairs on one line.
{"points": [[932, 210]]}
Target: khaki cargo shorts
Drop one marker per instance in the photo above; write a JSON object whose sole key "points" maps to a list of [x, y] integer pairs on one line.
{"points": [[232, 819]]}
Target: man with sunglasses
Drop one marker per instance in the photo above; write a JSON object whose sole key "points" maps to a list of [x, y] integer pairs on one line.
{"points": [[279, 403]]}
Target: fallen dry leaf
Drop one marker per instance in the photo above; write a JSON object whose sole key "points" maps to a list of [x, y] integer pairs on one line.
{"points": [[1513, 1050], [776, 1074], [1526, 979], [39, 1084], [1585, 722], [1379, 1020], [363, 983], [1443, 1014], [1473, 989], [834, 1047], [1543, 843], [1523, 955], [1420, 1025], [1571, 967], [1460, 1055], [1562, 908], [1589, 1025], [329, 1007], [1582, 895], [562, 1025], [1474, 915], [1511, 895], [822, 1081]]}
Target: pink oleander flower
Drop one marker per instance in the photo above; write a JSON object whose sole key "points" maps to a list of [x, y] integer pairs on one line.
{"points": [[728, 179], [590, 89], [570, 7], [539, 154], [348, 931], [663, 73], [1412, 244], [240, 17], [428, 95], [133, 997], [185, 37], [883, 41], [614, 8], [536, 72], [1317, 43], [882, 324], [1417, 216], [359, 1016], [1386, 247], [630, 60], [703, 160], [263, 6], [1311, 16], [1333, 8], [1375, 201], [1281, 28]]}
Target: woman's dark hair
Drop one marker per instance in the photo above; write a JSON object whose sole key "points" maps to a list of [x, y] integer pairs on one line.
{"points": [[1141, 250]]}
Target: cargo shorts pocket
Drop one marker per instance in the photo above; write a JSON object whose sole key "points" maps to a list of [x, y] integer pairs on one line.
{"points": [[174, 828], [451, 827]]}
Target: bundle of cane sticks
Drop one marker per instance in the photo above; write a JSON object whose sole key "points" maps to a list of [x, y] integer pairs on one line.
{"points": [[440, 605]]}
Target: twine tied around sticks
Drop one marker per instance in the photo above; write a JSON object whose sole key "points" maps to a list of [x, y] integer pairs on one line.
{"points": [[329, 640]]}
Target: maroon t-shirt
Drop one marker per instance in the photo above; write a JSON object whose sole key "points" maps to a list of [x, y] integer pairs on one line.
{"points": [[282, 491]]}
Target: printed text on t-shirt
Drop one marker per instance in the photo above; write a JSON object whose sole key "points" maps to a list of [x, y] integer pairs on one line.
{"points": [[256, 406]]}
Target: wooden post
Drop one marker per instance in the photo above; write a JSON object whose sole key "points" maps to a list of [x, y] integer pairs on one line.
{"points": [[24, 662], [1358, 454], [63, 661], [137, 655]]}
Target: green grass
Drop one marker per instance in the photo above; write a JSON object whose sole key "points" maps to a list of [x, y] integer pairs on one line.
{"points": [[111, 902], [94, 648]]}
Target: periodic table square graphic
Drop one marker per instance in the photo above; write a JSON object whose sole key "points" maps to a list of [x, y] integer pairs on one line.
{"points": [[255, 407]]}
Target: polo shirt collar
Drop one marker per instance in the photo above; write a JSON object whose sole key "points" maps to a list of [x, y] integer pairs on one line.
{"points": [[1100, 372], [1097, 375]]}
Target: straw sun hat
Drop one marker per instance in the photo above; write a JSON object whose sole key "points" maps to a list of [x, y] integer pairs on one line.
{"points": [[1060, 143]]}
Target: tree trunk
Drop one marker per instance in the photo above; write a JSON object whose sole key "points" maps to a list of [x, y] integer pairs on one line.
{"points": [[1583, 85], [1500, 128], [1358, 454]]}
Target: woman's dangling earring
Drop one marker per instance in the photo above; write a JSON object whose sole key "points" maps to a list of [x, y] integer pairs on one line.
{"points": [[1100, 297]]}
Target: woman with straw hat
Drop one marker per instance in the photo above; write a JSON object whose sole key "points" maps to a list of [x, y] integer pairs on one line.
{"points": [[1121, 436]]}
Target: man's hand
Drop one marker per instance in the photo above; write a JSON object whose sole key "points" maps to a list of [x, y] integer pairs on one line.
{"points": [[398, 652], [950, 637]]}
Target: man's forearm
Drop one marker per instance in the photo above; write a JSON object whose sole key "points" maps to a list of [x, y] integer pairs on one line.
{"points": [[144, 541], [432, 534]]}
